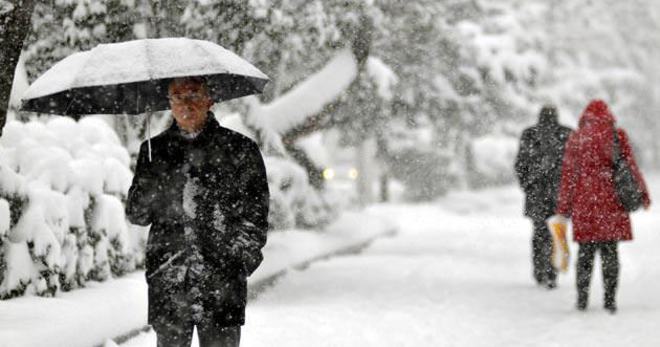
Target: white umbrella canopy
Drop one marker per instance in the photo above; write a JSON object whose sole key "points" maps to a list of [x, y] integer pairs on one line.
{"points": [[132, 77]]}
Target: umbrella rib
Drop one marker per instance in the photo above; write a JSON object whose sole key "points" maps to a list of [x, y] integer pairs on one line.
{"points": [[150, 73], [210, 53], [148, 107], [74, 83]]}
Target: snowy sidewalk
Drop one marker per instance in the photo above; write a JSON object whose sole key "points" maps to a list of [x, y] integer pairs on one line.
{"points": [[458, 273], [88, 317]]}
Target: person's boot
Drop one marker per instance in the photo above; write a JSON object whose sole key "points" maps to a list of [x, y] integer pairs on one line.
{"points": [[610, 303], [610, 307], [538, 276], [551, 280], [581, 304], [550, 284]]}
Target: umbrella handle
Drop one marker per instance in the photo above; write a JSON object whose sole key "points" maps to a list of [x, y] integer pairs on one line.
{"points": [[149, 134]]}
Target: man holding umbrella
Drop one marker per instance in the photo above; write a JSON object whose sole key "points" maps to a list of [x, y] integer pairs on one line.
{"points": [[201, 187], [205, 195]]}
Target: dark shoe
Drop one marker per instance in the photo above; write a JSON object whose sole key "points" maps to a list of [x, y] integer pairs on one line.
{"points": [[610, 307], [582, 302], [550, 284], [539, 280]]}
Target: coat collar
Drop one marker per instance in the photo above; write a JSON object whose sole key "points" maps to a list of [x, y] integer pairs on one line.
{"points": [[211, 126]]}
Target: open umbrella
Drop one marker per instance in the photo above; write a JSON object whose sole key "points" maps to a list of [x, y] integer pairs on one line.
{"points": [[132, 77]]}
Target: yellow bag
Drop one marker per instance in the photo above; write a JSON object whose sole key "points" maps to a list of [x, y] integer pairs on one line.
{"points": [[560, 252]]}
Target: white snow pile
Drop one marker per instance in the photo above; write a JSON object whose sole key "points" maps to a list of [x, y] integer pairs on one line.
{"points": [[293, 201], [62, 220], [310, 96], [383, 76]]}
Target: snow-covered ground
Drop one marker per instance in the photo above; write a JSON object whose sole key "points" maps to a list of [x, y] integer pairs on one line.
{"points": [[103, 310], [457, 274]]}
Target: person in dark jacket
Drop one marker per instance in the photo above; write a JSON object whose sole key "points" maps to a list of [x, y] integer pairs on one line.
{"points": [[538, 168], [203, 190], [587, 196]]}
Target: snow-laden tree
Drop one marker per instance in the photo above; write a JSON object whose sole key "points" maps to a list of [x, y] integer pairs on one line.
{"points": [[466, 69], [608, 49], [287, 39], [63, 27], [517, 55]]}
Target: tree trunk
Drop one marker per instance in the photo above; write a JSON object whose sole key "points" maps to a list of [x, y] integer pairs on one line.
{"points": [[15, 24], [365, 153], [384, 187]]}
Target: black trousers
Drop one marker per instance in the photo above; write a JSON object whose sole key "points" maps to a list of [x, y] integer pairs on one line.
{"points": [[180, 335], [610, 264], [544, 272], [174, 326]]}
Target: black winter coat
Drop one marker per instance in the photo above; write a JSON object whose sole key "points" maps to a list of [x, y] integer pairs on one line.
{"points": [[207, 202], [538, 166]]}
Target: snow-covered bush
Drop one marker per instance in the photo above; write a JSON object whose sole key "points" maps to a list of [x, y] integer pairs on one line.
{"points": [[293, 202], [5, 216], [62, 184]]}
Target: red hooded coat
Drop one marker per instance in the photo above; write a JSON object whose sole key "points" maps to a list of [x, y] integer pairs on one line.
{"points": [[586, 192]]}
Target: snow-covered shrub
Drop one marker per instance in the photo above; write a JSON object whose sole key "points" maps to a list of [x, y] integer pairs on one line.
{"points": [[41, 226], [14, 274], [113, 256], [293, 202], [5, 215], [63, 183]]}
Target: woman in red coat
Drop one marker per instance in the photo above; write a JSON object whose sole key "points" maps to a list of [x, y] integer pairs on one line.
{"points": [[587, 195]]}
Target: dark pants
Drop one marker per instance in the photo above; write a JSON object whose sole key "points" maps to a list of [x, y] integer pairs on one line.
{"points": [[544, 272], [179, 334], [585, 263], [182, 310]]}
